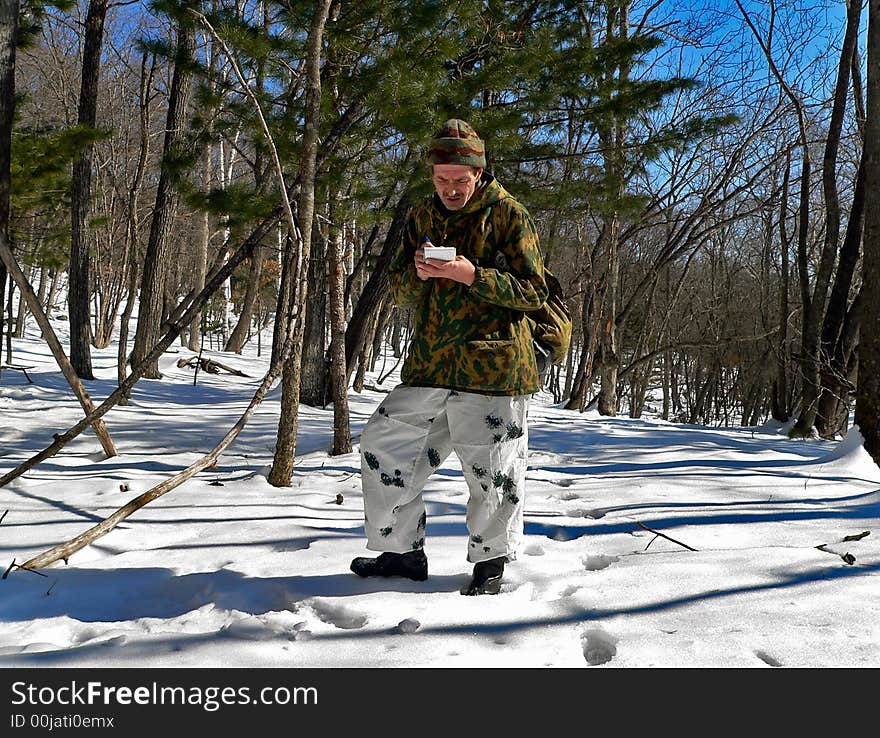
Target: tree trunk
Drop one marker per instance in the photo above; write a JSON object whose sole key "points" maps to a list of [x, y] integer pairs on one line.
{"points": [[338, 378], [313, 388], [203, 239], [814, 308], [21, 318], [9, 10], [157, 260], [612, 137], [832, 390], [8, 34], [376, 288], [867, 415], [132, 242], [285, 448], [240, 333], [79, 291], [54, 288], [608, 359], [366, 353], [779, 402], [379, 333], [583, 377], [10, 325]]}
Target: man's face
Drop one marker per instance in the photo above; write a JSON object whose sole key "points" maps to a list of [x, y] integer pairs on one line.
{"points": [[455, 183]]}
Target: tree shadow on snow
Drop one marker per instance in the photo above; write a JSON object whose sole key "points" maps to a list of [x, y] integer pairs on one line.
{"points": [[110, 595]]}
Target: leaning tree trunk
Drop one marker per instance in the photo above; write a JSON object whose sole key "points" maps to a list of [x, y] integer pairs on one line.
{"points": [[78, 287], [157, 259], [867, 415], [27, 293]]}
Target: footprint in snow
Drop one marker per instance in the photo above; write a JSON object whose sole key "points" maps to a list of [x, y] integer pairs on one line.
{"points": [[569, 496], [587, 513], [767, 658], [599, 647], [534, 549], [84, 636], [339, 615], [598, 562]]}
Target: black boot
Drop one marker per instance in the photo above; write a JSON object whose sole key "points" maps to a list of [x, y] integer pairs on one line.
{"points": [[412, 565], [486, 578]]}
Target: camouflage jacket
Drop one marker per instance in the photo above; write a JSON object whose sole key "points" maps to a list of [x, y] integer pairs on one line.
{"points": [[476, 338]]}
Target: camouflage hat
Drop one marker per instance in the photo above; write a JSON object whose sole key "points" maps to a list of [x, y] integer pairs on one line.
{"points": [[457, 143]]}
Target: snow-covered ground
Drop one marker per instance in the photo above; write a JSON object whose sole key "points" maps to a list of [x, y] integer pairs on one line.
{"points": [[229, 571]]}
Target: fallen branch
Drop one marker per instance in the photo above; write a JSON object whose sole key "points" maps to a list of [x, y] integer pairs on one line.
{"points": [[847, 557], [210, 366], [3, 516], [662, 535]]}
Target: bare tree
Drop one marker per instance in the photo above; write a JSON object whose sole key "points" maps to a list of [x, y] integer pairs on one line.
{"points": [[8, 31], [867, 415], [79, 290], [156, 263], [8, 36], [285, 447]]}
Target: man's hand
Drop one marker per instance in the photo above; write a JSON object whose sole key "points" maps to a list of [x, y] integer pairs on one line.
{"points": [[459, 269]]}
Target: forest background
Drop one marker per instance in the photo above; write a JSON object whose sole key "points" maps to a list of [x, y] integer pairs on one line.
{"points": [[703, 176]]}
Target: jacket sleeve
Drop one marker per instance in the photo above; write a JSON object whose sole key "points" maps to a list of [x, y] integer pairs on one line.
{"points": [[521, 286], [407, 289]]}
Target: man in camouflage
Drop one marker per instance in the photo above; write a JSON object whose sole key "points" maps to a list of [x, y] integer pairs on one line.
{"points": [[468, 374]]}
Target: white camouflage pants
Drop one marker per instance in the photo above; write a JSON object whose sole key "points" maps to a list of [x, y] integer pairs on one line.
{"points": [[411, 433]]}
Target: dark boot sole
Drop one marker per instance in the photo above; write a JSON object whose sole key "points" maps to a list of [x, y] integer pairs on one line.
{"points": [[367, 567]]}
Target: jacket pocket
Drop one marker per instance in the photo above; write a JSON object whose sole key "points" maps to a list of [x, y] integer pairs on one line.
{"points": [[491, 344]]}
